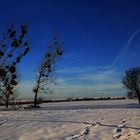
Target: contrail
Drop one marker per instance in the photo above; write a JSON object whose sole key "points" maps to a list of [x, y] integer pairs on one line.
{"points": [[126, 47]]}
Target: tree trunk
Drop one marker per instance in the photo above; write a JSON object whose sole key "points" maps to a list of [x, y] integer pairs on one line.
{"points": [[35, 100], [139, 99], [138, 96], [7, 102], [37, 89]]}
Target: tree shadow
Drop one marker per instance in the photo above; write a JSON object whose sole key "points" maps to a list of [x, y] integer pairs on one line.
{"points": [[115, 126], [79, 107], [76, 107], [65, 121]]}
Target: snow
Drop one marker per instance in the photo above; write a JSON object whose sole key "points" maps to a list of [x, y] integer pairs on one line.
{"points": [[84, 120]]}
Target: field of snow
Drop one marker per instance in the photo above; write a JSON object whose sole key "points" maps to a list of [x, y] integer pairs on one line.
{"points": [[86, 120]]}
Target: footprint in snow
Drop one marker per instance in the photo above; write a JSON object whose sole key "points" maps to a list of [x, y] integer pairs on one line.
{"points": [[118, 131], [121, 125], [123, 121], [138, 132], [83, 134], [118, 135]]}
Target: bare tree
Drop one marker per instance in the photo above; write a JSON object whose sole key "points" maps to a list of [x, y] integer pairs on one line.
{"points": [[13, 47], [45, 75], [131, 81], [8, 89]]}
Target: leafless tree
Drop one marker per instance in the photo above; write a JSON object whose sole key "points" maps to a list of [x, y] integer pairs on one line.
{"points": [[8, 89], [45, 75], [13, 47], [131, 81]]}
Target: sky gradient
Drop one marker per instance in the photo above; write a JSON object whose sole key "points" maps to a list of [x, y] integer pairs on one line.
{"points": [[101, 40]]}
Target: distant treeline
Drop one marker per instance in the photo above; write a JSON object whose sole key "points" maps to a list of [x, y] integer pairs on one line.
{"points": [[63, 100]]}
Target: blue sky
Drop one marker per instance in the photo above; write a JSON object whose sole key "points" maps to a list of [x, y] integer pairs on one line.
{"points": [[101, 40]]}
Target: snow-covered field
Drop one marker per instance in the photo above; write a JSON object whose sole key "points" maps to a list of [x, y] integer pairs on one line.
{"points": [[91, 120]]}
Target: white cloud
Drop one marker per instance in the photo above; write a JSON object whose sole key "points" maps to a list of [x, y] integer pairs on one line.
{"points": [[100, 75], [125, 48], [82, 69], [92, 77], [101, 90], [108, 86], [88, 82], [91, 81]]}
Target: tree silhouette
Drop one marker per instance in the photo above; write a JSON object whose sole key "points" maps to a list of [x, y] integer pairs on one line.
{"points": [[13, 47], [9, 88], [45, 75], [131, 81]]}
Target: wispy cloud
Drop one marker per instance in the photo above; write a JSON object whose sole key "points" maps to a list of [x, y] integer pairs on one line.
{"points": [[89, 79], [96, 87], [100, 75], [90, 75], [97, 81], [89, 90], [125, 48], [82, 69]]}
